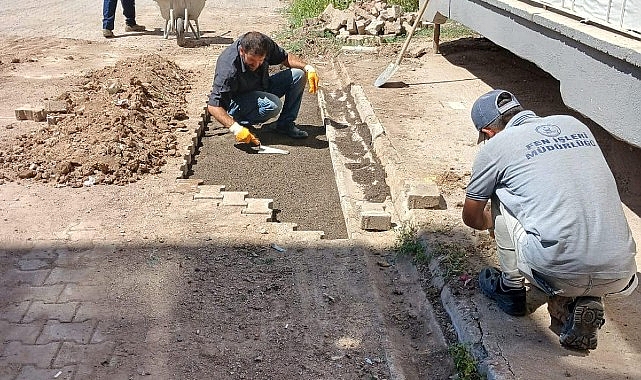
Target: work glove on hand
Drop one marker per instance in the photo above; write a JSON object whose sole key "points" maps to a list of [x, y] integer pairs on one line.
{"points": [[312, 78], [243, 135]]}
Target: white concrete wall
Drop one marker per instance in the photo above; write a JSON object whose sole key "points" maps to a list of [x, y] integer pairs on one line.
{"points": [[599, 71]]}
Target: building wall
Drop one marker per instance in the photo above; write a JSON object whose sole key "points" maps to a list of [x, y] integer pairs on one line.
{"points": [[599, 70]]}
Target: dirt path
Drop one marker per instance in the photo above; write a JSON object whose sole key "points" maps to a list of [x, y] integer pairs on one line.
{"points": [[143, 280]]}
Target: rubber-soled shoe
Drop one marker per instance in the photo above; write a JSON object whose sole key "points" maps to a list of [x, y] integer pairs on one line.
{"points": [[134, 28], [560, 309], [107, 33], [290, 130], [511, 301], [580, 329]]}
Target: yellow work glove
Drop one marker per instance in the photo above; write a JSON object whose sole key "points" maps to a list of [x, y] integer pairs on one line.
{"points": [[312, 78], [243, 135]]}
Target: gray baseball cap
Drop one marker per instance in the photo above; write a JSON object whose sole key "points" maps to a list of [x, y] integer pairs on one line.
{"points": [[486, 109]]}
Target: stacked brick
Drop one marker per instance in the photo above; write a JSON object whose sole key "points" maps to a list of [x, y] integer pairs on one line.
{"points": [[366, 18]]}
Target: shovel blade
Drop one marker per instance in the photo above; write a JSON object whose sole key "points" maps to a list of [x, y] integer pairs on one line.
{"points": [[386, 74], [264, 149]]}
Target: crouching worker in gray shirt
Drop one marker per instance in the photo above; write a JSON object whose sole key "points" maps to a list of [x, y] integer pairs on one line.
{"points": [[555, 213]]}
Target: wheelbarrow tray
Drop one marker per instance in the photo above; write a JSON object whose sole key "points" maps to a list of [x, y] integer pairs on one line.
{"points": [[173, 11], [193, 7]]}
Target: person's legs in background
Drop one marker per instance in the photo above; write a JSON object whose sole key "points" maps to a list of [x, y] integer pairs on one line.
{"points": [[129, 10], [108, 17]]}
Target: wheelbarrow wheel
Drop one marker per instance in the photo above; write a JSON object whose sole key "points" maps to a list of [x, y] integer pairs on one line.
{"points": [[180, 31]]}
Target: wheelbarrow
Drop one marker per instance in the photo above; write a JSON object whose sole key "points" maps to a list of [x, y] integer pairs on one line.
{"points": [[178, 15]]}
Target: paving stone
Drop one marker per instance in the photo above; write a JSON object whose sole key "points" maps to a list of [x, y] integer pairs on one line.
{"points": [[33, 264], [85, 257], [209, 192], [374, 217], [15, 277], [85, 371], [66, 275], [423, 195], [38, 310], [187, 185], [56, 106], [75, 292], [254, 218], [13, 311], [260, 206], [33, 373], [39, 355], [48, 294], [29, 112], [55, 331], [22, 332], [42, 253], [73, 353], [98, 336], [234, 198], [88, 310], [9, 371]]}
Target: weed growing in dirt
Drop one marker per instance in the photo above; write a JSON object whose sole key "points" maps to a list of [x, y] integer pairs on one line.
{"points": [[464, 362], [300, 10], [453, 257], [408, 5], [408, 243], [152, 260], [453, 30], [308, 43]]}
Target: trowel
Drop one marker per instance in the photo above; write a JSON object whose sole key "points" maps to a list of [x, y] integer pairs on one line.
{"points": [[264, 149]]}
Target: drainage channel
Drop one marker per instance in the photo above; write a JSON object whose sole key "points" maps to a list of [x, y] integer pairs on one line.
{"points": [[303, 183]]}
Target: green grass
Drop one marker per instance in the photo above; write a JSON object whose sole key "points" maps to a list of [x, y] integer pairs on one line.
{"points": [[408, 5], [453, 30], [465, 362], [312, 43], [408, 243], [322, 44], [304, 9], [453, 258]]}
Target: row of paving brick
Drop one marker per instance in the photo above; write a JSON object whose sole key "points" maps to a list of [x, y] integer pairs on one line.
{"points": [[53, 298], [47, 314]]}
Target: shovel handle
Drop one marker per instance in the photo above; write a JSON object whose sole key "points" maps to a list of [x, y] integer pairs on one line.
{"points": [[411, 32]]}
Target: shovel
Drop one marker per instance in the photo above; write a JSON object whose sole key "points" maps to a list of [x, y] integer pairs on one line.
{"points": [[264, 149], [392, 67]]}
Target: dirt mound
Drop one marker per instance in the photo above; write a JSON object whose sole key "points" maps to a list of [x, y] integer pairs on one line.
{"points": [[120, 126]]}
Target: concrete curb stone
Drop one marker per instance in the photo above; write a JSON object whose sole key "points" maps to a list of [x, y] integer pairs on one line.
{"points": [[411, 195]]}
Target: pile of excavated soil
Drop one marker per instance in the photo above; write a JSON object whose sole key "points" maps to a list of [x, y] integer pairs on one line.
{"points": [[120, 126]]}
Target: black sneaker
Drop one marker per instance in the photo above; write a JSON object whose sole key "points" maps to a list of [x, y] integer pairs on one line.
{"points": [[580, 329], [511, 301], [290, 130]]}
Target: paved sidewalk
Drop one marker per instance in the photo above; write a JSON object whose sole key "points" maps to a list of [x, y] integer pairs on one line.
{"points": [[411, 147], [56, 272]]}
